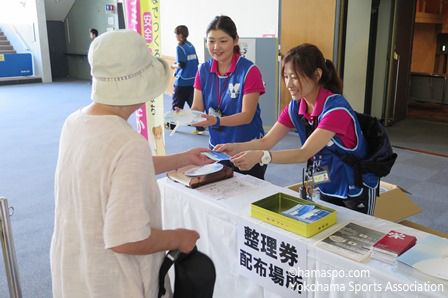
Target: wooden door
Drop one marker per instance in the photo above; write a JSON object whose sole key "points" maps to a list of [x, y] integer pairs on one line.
{"points": [[305, 21]]}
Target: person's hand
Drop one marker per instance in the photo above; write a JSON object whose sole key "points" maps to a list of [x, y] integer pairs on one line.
{"points": [[173, 66], [196, 158], [230, 149], [247, 159], [209, 121], [187, 240]]}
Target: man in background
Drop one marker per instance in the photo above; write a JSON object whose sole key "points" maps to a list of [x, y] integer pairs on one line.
{"points": [[93, 33]]}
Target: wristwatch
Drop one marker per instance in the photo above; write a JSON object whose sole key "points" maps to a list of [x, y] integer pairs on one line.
{"points": [[266, 158]]}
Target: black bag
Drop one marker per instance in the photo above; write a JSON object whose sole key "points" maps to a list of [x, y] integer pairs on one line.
{"points": [[380, 157], [195, 274]]}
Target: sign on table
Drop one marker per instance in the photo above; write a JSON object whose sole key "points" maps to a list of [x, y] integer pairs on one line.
{"points": [[269, 259]]}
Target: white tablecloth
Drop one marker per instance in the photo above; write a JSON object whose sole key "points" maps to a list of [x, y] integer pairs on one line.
{"points": [[216, 221]]}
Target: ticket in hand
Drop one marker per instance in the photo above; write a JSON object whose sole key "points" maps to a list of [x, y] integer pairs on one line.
{"points": [[217, 156]]}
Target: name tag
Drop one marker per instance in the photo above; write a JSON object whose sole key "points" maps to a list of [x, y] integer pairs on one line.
{"points": [[321, 175], [191, 57], [213, 112]]}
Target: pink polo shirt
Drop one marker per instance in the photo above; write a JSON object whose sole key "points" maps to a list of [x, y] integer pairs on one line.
{"points": [[339, 121], [252, 84]]}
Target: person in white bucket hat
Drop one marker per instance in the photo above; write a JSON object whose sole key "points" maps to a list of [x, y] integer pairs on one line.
{"points": [[107, 239]]}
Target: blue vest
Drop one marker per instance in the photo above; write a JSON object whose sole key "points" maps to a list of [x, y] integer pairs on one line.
{"points": [[231, 88], [185, 76], [342, 175]]}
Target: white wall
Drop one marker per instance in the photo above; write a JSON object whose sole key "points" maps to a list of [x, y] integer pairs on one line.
{"points": [[16, 17], [28, 19], [355, 68], [253, 18], [41, 44], [57, 10]]}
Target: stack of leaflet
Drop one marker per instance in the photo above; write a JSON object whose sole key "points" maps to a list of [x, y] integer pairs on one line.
{"points": [[351, 241], [394, 244], [305, 213], [428, 256]]}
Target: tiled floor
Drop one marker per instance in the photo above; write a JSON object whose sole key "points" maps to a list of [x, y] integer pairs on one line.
{"points": [[428, 111], [420, 135]]}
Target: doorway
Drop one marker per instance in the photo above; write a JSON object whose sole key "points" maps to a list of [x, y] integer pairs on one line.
{"points": [[394, 81], [378, 43], [397, 52], [400, 55], [415, 86], [428, 97], [341, 29]]}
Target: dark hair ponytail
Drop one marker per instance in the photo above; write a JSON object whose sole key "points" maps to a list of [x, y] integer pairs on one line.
{"points": [[331, 80], [236, 49], [183, 31], [306, 58], [225, 24]]}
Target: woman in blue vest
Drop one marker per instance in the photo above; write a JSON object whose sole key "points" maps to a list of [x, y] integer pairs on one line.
{"points": [[186, 67], [325, 122], [227, 88]]}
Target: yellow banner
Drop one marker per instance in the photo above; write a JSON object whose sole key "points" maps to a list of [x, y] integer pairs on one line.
{"points": [[143, 16], [150, 28], [2, 57]]}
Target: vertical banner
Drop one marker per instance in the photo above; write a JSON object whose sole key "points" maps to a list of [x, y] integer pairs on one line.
{"points": [[143, 16]]}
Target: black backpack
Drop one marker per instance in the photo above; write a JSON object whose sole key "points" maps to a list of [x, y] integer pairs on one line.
{"points": [[194, 272], [380, 157]]}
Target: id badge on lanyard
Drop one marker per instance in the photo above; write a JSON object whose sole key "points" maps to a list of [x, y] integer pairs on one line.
{"points": [[320, 174], [220, 95], [215, 113]]}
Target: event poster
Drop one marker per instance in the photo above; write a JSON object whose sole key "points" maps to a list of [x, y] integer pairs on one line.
{"points": [[248, 48], [143, 16]]}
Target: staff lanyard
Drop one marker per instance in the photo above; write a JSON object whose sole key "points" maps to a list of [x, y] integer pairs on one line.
{"points": [[220, 94], [309, 128]]}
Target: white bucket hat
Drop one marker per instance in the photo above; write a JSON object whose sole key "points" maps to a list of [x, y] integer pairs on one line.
{"points": [[124, 71]]}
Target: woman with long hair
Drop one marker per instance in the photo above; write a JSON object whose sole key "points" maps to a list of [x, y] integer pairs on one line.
{"points": [[325, 122]]}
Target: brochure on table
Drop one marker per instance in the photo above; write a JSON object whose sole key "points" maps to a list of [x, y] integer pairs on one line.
{"points": [[352, 241], [231, 187], [429, 255], [394, 244]]}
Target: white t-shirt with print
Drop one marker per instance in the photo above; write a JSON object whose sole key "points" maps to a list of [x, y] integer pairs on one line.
{"points": [[106, 195]]}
